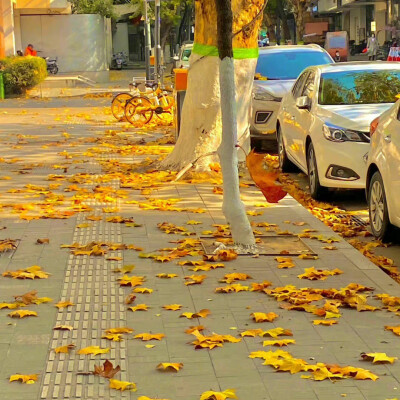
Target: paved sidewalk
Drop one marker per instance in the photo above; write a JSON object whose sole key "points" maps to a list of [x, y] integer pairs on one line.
{"points": [[76, 142]]}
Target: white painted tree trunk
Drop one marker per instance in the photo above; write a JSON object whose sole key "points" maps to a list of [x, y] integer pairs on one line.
{"points": [[233, 208], [201, 125]]}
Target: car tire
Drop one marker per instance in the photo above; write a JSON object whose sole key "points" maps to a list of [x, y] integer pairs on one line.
{"points": [[378, 210], [284, 163], [317, 191]]}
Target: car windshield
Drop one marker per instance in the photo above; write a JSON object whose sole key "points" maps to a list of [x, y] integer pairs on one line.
{"points": [[289, 64], [359, 87]]}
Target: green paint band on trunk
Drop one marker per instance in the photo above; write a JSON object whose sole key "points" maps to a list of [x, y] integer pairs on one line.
{"points": [[212, 51]]}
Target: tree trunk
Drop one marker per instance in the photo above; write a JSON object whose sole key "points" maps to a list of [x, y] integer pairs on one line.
{"points": [[201, 124], [285, 27], [233, 208], [270, 21], [299, 13]]}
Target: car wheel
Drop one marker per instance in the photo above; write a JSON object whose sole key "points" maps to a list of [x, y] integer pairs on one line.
{"points": [[378, 210], [284, 163], [317, 191]]}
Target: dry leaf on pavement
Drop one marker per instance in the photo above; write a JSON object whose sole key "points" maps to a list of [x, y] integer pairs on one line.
{"points": [[263, 317], [174, 367], [122, 385], [226, 394], [149, 336], [107, 370], [22, 314], [28, 379], [64, 304], [64, 349], [378, 358], [95, 350]]}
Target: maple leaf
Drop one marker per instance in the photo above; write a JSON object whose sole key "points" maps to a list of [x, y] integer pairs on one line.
{"points": [[394, 329], [95, 350], [365, 374], [149, 336], [201, 314], [323, 373], [308, 257], [194, 279], [107, 370], [280, 343], [193, 222], [22, 314], [166, 276], [232, 288], [43, 241], [189, 262], [318, 274], [172, 307], [263, 317], [34, 272], [27, 298], [28, 379], [139, 307], [122, 385], [63, 328], [378, 358], [252, 333], [277, 332], [130, 298], [226, 394], [10, 306], [64, 349], [143, 290], [174, 367], [236, 276], [119, 330], [115, 337], [192, 329], [324, 322], [64, 304], [131, 280], [148, 398], [227, 255]]}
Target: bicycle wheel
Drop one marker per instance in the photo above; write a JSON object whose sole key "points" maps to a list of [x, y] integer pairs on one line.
{"points": [[118, 105], [139, 110], [167, 103]]}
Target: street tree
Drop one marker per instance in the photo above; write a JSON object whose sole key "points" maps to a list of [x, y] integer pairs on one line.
{"points": [[233, 208], [201, 123], [300, 10], [104, 8], [171, 14]]}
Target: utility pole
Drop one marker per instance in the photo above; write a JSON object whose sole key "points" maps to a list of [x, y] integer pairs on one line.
{"points": [[157, 45], [147, 40]]}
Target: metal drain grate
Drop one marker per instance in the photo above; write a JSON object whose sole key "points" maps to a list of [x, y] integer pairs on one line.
{"points": [[354, 219]]}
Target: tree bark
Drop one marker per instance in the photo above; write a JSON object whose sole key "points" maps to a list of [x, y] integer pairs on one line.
{"points": [[201, 124], [233, 208]]}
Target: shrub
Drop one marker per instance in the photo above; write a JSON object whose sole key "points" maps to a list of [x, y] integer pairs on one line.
{"points": [[22, 73]]}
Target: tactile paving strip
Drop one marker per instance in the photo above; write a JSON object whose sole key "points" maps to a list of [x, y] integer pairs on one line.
{"points": [[91, 285]]}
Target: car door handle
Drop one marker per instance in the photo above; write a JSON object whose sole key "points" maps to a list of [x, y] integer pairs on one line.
{"points": [[388, 138]]}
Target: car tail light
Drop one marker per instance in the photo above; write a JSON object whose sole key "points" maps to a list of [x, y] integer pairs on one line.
{"points": [[373, 126]]}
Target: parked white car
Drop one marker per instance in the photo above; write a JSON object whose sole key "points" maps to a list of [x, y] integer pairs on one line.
{"points": [[184, 55], [383, 176], [323, 123], [280, 66]]}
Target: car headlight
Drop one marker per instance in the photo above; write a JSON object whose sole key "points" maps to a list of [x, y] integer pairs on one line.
{"points": [[262, 95], [337, 134]]}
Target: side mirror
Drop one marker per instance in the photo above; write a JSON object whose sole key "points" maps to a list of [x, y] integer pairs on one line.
{"points": [[303, 103]]}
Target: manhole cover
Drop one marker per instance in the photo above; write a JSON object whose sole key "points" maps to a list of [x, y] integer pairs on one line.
{"points": [[267, 245]]}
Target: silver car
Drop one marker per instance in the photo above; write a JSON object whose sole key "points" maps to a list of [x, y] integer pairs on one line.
{"points": [[277, 69]]}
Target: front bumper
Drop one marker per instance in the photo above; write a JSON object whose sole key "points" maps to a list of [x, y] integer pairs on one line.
{"points": [[348, 155]]}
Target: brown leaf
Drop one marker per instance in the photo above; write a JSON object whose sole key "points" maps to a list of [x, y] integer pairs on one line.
{"points": [[107, 370]]}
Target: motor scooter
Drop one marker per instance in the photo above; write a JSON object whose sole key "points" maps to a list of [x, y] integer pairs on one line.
{"points": [[52, 66], [119, 60]]}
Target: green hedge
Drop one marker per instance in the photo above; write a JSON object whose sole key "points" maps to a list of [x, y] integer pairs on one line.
{"points": [[22, 73]]}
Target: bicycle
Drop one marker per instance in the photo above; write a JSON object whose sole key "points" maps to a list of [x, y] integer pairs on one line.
{"points": [[152, 100]]}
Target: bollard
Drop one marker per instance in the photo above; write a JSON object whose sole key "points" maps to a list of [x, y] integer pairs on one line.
{"points": [[1, 86]]}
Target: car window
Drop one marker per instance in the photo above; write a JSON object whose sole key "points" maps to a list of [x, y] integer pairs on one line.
{"points": [[288, 64], [299, 85], [359, 87], [309, 86]]}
